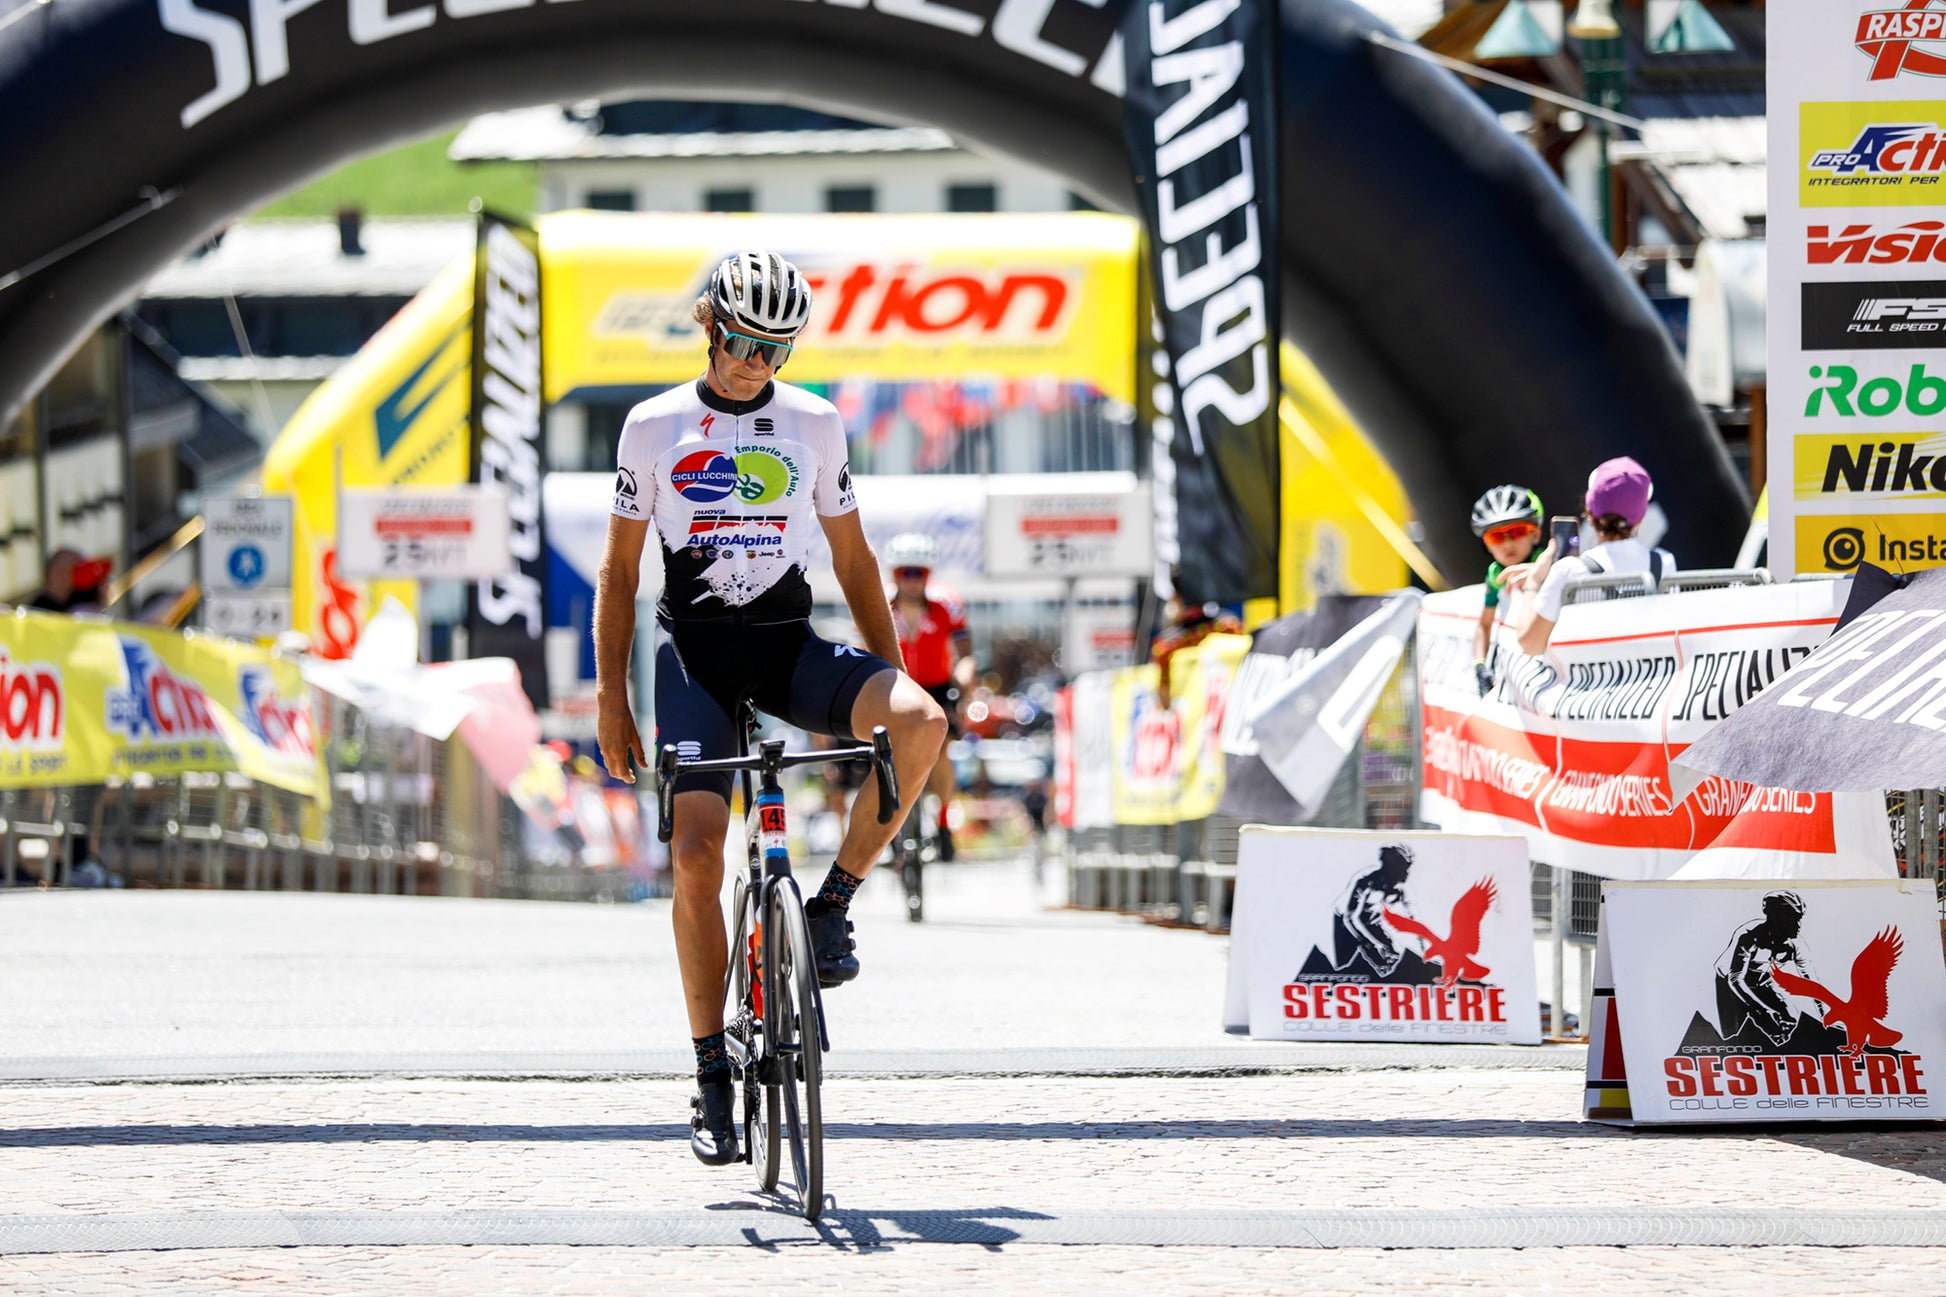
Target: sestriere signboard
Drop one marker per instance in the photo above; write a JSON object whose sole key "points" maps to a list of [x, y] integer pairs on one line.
{"points": [[1857, 293], [1342, 934], [1768, 1000]]}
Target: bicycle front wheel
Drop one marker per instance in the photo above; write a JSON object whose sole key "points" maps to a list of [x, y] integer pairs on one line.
{"points": [[743, 1013], [794, 1026]]}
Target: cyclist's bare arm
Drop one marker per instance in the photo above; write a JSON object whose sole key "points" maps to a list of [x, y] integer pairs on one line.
{"points": [[621, 574], [856, 567]]}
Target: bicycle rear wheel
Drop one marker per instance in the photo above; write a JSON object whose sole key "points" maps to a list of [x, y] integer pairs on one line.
{"points": [[794, 1027]]}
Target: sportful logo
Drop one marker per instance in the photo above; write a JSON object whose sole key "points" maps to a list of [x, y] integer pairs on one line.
{"points": [[1783, 1038], [1371, 975], [1858, 245], [283, 727], [1888, 37], [157, 705]]}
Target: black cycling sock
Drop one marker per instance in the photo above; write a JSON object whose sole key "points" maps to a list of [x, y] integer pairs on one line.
{"points": [[712, 1057], [839, 887]]}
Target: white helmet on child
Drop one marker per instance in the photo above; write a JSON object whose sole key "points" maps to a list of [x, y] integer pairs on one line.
{"points": [[912, 549]]}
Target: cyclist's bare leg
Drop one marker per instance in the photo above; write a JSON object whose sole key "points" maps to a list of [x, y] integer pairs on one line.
{"points": [[702, 948], [917, 726]]}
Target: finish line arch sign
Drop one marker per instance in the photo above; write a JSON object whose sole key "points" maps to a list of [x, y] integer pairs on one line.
{"points": [[143, 126]]}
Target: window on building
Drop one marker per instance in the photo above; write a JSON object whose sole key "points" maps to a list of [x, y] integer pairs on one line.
{"points": [[851, 198], [972, 198], [729, 200], [611, 200]]}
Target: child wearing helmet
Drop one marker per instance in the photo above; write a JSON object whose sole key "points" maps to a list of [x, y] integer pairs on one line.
{"points": [[1507, 520]]}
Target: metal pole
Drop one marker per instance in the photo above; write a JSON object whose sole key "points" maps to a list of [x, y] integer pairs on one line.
{"points": [[1558, 903]]}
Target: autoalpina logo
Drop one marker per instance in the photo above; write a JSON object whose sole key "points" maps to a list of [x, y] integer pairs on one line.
{"points": [[1782, 1037], [1909, 40], [1388, 965]]}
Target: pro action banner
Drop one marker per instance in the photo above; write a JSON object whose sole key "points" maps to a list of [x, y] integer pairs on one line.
{"points": [[508, 613], [1200, 110], [80, 701], [1857, 278], [1777, 1000], [1167, 762], [1341, 934], [1573, 748]]}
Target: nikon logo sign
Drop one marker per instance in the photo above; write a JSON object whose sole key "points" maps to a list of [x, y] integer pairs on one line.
{"points": [[1900, 466]]}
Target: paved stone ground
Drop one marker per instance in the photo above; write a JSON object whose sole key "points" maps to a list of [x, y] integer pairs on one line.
{"points": [[1067, 1182]]}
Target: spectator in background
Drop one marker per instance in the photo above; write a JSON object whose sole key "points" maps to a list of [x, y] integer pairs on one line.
{"points": [[72, 583], [1189, 625], [1507, 520], [1618, 499]]}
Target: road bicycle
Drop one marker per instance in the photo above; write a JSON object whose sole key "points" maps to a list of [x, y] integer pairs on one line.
{"points": [[913, 848], [774, 1011]]}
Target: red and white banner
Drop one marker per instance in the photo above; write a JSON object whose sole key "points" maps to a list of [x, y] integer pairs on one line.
{"points": [[1572, 748], [1777, 1000]]}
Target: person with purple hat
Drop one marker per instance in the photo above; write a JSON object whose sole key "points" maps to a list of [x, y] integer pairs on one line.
{"points": [[1618, 499]]}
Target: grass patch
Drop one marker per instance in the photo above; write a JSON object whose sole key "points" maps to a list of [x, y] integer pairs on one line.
{"points": [[415, 180]]}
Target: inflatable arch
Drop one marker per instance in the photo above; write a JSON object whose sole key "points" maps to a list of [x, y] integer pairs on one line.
{"points": [[1431, 267]]}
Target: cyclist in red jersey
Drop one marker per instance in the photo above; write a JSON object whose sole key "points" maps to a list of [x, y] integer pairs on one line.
{"points": [[930, 618]]}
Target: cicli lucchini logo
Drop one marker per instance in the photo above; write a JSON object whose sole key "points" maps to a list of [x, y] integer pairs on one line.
{"points": [[1388, 965], [1909, 40], [1785, 1040]]}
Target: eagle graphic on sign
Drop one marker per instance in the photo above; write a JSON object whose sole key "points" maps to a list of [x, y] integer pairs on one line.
{"points": [[1863, 1015], [1456, 950]]}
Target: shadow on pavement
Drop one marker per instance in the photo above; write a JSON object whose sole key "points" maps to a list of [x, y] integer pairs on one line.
{"points": [[500, 1133], [1916, 1150]]}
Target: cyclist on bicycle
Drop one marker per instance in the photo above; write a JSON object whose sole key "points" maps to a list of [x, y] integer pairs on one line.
{"points": [[931, 621], [730, 471]]}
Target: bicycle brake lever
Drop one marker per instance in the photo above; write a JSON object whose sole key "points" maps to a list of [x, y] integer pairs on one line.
{"points": [[665, 793], [888, 774]]}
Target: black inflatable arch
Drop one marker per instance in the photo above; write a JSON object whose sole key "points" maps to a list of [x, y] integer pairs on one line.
{"points": [[1431, 266]]}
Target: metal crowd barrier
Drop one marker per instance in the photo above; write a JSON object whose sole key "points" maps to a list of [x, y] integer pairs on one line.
{"points": [[407, 816]]}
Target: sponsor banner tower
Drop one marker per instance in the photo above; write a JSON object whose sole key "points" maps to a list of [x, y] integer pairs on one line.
{"points": [[1856, 454]]}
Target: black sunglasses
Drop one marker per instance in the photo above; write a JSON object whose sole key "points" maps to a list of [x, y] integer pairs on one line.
{"points": [[742, 346], [903, 572]]}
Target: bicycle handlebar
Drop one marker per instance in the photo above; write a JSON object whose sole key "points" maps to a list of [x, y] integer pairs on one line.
{"points": [[771, 758]]}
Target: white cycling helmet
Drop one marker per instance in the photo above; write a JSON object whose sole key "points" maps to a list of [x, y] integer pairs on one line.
{"points": [[912, 549], [761, 291]]}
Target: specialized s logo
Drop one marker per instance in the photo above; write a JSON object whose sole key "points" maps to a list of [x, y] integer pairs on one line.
{"points": [[704, 476], [1903, 40], [157, 705], [1782, 1038], [708, 419]]}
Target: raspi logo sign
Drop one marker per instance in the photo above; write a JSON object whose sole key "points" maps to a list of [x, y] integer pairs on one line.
{"points": [[1910, 41]]}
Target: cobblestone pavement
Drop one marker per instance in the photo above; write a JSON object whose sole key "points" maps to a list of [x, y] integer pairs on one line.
{"points": [[1060, 1182]]}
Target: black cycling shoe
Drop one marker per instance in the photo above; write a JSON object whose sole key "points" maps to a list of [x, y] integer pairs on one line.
{"points": [[831, 942], [712, 1123]]}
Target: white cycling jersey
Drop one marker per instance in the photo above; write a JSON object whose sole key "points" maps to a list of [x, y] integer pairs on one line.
{"points": [[733, 490]]}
